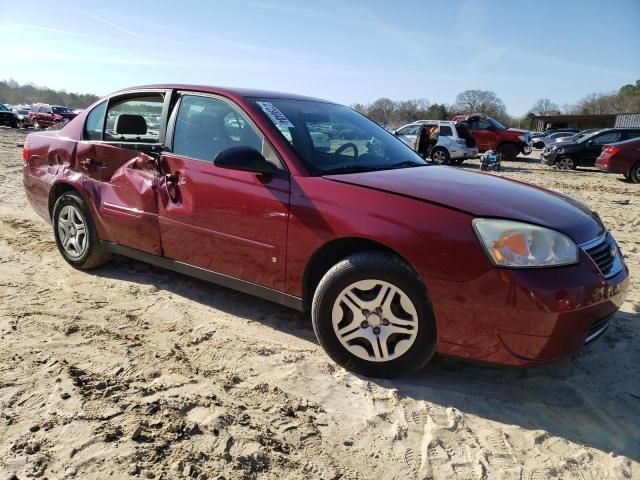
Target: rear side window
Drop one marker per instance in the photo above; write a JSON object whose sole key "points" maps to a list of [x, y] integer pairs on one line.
{"points": [[630, 134], [610, 137], [446, 131], [95, 122], [134, 119]]}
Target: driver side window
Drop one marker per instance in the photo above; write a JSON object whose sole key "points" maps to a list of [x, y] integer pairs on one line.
{"points": [[480, 125], [206, 126]]}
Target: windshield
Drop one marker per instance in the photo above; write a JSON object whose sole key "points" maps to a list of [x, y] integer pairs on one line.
{"points": [[496, 124], [332, 138]]}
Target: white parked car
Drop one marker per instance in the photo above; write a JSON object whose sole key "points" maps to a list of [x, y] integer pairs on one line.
{"points": [[455, 142]]}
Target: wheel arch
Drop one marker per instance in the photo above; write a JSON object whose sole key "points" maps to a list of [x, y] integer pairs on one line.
{"points": [[509, 142], [333, 252], [57, 190], [634, 165]]}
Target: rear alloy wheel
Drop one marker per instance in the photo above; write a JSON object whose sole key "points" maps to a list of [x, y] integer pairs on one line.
{"points": [[634, 175], [371, 314], [440, 156], [508, 151], [75, 233], [565, 163]]}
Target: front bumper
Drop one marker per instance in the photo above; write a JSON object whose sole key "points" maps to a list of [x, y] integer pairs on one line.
{"points": [[526, 317], [548, 157], [527, 149]]}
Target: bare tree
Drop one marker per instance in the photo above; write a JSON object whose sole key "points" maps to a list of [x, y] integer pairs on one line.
{"points": [[480, 101], [382, 111], [544, 106]]}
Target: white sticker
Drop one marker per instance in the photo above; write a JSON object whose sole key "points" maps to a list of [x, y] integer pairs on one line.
{"points": [[275, 115]]}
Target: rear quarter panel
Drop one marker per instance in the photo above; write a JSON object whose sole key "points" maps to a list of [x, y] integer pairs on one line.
{"points": [[50, 154]]}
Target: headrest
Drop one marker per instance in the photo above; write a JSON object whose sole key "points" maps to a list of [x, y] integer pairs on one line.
{"points": [[127, 124]]}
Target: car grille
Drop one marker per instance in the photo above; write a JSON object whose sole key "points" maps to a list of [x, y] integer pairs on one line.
{"points": [[597, 328], [605, 254]]}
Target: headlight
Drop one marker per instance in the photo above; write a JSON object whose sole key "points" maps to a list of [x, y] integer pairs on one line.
{"points": [[523, 138], [561, 150], [522, 245]]}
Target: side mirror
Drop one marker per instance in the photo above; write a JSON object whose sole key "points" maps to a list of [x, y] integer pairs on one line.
{"points": [[244, 159]]}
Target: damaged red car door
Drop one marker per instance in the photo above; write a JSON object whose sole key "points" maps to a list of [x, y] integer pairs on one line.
{"points": [[228, 221], [112, 153]]}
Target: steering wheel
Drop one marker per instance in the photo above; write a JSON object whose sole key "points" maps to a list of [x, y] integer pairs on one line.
{"points": [[344, 146]]}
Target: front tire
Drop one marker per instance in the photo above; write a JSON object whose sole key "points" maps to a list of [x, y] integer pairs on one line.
{"points": [[75, 233], [372, 315], [566, 163], [509, 151]]}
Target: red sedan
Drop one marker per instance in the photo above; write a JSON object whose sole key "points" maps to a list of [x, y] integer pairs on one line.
{"points": [[395, 259], [621, 157]]}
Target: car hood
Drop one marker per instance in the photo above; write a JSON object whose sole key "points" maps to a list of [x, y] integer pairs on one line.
{"points": [[484, 195]]}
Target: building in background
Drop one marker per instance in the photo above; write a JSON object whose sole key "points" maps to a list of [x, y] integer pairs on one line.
{"points": [[541, 123]]}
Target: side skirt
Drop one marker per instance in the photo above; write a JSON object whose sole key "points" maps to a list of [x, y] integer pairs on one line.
{"points": [[208, 276]]}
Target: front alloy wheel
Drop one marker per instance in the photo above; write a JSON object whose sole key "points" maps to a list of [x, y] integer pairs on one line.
{"points": [[565, 163], [374, 320], [372, 315]]}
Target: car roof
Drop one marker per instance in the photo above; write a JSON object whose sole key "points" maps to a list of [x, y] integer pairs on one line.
{"points": [[225, 91], [439, 122]]}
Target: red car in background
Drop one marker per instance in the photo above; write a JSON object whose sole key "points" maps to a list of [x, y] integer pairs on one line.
{"points": [[45, 116], [492, 135], [621, 157], [395, 258]]}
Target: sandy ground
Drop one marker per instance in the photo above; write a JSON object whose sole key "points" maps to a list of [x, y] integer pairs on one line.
{"points": [[130, 370]]}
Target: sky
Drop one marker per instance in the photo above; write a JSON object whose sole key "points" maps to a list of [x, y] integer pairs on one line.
{"points": [[344, 51]]}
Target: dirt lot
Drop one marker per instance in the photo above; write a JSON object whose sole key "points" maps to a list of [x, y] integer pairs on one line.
{"points": [[130, 370]]}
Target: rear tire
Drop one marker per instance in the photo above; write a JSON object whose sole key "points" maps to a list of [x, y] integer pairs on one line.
{"points": [[440, 156], [372, 315], [634, 174], [509, 151], [75, 233]]}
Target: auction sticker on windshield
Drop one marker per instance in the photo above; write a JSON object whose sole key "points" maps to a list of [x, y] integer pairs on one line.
{"points": [[276, 116]]}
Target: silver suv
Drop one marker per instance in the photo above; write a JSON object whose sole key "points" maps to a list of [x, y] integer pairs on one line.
{"points": [[455, 142]]}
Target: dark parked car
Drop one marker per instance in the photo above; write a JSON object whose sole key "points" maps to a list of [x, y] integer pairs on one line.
{"points": [[23, 118], [43, 115], [583, 152], [394, 258], [8, 117], [623, 157], [536, 135]]}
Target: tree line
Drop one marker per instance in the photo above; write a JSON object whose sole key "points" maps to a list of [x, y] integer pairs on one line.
{"points": [[393, 113], [396, 113], [13, 93]]}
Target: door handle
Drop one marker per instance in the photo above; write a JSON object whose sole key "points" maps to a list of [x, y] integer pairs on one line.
{"points": [[171, 181]]}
